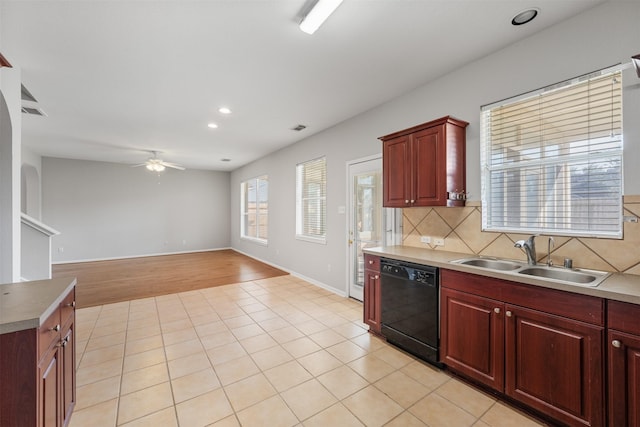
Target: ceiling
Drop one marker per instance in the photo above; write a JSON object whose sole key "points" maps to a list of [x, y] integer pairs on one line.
{"points": [[120, 78]]}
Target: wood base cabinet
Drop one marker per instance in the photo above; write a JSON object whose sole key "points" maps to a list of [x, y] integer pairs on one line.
{"points": [[425, 165], [371, 297], [37, 371], [538, 346], [623, 343]]}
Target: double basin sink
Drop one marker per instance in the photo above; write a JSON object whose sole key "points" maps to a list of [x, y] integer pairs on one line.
{"points": [[580, 277]]}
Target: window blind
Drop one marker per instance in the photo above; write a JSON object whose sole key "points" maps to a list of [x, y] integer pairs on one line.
{"points": [[255, 208], [552, 159], [311, 203]]}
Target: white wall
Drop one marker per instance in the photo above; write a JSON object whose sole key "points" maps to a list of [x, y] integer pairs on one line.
{"points": [[596, 39], [10, 143], [107, 210]]}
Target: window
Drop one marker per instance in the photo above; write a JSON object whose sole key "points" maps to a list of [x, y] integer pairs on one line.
{"points": [[254, 223], [552, 159], [311, 200]]}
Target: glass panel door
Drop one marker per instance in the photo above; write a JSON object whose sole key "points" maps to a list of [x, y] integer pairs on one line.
{"points": [[366, 218]]}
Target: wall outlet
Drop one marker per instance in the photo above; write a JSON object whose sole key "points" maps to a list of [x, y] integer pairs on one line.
{"points": [[425, 239], [60, 249], [438, 241]]}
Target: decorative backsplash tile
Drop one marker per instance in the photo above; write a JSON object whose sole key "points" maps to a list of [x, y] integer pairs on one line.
{"points": [[461, 229]]}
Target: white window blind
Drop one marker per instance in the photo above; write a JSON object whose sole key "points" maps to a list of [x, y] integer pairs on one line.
{"points": [[311, 200], [254, 223], [552, 159]]}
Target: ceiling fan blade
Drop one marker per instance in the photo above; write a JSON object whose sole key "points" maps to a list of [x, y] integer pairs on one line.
{"points": [[138, 165], [173, 165]]}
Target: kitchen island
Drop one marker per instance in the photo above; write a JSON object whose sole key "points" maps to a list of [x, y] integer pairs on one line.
{"points": [[37, 352]]}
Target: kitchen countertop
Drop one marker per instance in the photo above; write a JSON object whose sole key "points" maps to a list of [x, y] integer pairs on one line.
{"points": [[25, 305], [618, 286]]}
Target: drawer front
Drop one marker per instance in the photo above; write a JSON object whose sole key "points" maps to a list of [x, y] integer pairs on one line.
{"points": [[67, 307], [623, 316], [371, 262], [49, 333]]}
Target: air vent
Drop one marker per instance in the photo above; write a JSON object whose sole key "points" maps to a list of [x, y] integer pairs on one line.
{"points": [[33, 111], [299, 128], [26, 95]]}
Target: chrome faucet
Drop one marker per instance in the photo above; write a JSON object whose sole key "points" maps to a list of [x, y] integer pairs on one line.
{"points": [[550, 243], [529, 247]]}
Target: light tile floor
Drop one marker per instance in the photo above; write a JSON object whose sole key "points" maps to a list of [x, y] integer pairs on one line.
{"points": [[274, 352]]}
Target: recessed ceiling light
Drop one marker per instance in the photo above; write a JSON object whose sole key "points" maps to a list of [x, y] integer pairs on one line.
{"points": [[212, 125], [224, 110], [525, 16]]}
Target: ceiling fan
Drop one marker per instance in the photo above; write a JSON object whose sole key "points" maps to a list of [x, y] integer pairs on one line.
{"points": [[155, 164]]}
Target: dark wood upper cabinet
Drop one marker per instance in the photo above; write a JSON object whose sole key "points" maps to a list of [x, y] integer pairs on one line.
{"points": [[425, 165]]}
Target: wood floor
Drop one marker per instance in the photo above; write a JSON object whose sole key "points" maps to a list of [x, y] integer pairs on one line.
{"points": [[104, 282]]}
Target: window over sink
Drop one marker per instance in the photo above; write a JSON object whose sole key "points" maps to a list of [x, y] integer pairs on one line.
{"points": [[551, 159]]}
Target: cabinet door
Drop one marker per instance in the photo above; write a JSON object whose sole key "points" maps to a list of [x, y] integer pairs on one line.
{"points": [[372, 300], [624, 379], [472, 336], [555, 365], [48, 404], [396, 171], [68, 377], [429, 165]]}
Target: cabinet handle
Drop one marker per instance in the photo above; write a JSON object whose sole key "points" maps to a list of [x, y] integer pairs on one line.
{"points": [[508, 313], [406, 202], [496, 310], [56, 328], [616, 343], [72, 304], [370, 262], [413, 201], [64, 342], [376, 277]]}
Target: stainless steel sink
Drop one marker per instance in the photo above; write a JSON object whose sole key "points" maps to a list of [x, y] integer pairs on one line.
{"points": [[494, 264], [578, 277]]}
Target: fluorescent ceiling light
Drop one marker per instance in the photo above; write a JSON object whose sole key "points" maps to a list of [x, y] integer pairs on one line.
{"points": [[224, 110], [318, 14], [212, 125]]}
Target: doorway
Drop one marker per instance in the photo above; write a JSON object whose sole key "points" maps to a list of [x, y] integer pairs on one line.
{"points": [[369, 223]]}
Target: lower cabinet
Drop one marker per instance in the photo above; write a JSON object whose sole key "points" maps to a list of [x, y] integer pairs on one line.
{"points": [[623, 342], [516, 339], [37, 372], [371, 297]]}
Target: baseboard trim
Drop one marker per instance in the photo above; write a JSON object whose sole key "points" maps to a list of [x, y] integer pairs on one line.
{"points": [[296, 274], [143, 256]]}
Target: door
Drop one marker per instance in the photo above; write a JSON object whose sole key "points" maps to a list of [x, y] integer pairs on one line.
{"points": [[554, 365], [473, 336], [624, 379], [366, 217], [397, 172]]}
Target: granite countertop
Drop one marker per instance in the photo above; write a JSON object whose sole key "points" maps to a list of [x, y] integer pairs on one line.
{"points": [[618, 286], [25, 305]]}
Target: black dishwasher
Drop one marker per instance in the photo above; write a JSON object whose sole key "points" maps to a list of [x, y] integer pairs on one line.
{"points": [[409, 305]]}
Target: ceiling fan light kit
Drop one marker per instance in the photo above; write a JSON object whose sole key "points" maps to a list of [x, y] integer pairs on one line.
{"points": [[154, 164]]}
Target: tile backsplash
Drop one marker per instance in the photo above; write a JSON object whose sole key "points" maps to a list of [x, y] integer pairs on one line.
{"points": [[461, 229]]}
